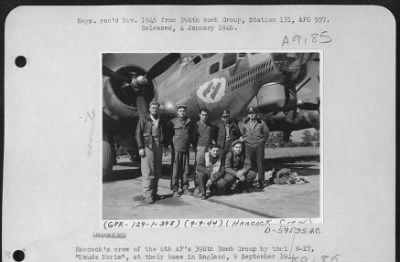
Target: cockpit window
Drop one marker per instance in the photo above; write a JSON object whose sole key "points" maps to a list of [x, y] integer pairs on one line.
{"points": [[228, 60], [196, 60], [214, 68], [208, 55]]}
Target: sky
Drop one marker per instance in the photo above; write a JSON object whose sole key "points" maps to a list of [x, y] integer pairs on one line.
{"points": [[144, 60]]}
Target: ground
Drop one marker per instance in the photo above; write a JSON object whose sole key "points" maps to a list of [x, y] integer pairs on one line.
{"points": [[122, 196]]}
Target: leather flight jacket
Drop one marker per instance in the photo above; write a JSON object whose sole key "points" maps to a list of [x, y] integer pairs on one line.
{"points": [[144, 136]]}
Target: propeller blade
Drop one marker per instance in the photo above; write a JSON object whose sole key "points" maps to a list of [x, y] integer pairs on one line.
{"points": [[302, 85], [108, 72], [141, 105], [309, 104], [162, 65]]}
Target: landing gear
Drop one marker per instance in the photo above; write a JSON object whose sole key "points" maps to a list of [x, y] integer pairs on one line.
{"points": [[108, 158]]}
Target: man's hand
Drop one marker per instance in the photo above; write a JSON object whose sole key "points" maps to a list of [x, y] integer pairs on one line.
{"points": [[209, 183], [142, 153], [241, 139], [240, 175]]}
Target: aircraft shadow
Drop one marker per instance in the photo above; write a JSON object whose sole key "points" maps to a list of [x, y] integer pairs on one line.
{"points": [[301, 165], [126, 174], [123, 174], [304, 166], [131, 164], [293, 159], [162, 197]]}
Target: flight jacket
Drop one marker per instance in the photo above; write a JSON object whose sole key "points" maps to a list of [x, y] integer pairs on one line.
{"points": [[234, 133], [144, 132], [254, 135], [232, 164], [214, 167]]}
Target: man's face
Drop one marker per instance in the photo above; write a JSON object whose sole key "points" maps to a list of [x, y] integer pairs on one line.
{"points": [[203, 116], [252, 116], [237, 149], [225, 118], [214, 151], [154, 109], [182, 112]]}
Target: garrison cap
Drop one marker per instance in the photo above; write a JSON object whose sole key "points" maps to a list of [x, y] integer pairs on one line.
{"points": [[237, 141], [181, 106], [251, 110], [226, 112]]}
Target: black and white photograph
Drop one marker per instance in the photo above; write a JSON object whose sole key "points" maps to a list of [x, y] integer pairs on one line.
{"points": [[199, 132], [211, 135]]}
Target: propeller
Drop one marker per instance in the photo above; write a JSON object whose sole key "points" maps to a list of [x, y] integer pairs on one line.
{"points": [[143, 80], [290, 64], [141, 105], [134, 86], [162, 65], [108, 72]]}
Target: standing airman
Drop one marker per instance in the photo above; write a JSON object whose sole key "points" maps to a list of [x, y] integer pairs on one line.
{"points": [[150, 137], [228, 131], [180, 131], [255, 133], [203, 136]]}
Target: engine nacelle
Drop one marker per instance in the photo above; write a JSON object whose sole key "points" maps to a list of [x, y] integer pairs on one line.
{"points": [[121, 101], [113, 106], [274, 97]]}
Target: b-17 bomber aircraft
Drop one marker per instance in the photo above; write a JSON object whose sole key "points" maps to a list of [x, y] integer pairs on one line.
{"points": [[283, 87]]}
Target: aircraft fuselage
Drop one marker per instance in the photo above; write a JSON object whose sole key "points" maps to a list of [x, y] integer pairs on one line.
{"points": [[223, 81]]}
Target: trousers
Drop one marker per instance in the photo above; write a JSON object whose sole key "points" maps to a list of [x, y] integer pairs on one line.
{"points": [[250, 176], [202, 178], [226, 148], [200, 150], [256, 155], [180, 171], [151, 165], [223, 184]]}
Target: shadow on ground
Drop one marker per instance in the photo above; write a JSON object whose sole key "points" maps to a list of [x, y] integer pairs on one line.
{"points": [[301, 165], [123, 174], [304, 166]]}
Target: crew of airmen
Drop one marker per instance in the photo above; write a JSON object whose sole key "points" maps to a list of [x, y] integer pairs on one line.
{"points": [[228, 156]]}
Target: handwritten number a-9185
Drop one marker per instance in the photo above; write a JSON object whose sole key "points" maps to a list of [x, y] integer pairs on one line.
{"points": [[323, 35], [314, 37], [321, 38]]}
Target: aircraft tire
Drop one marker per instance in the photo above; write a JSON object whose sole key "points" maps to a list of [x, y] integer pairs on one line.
{"points": [[108, 160]]}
